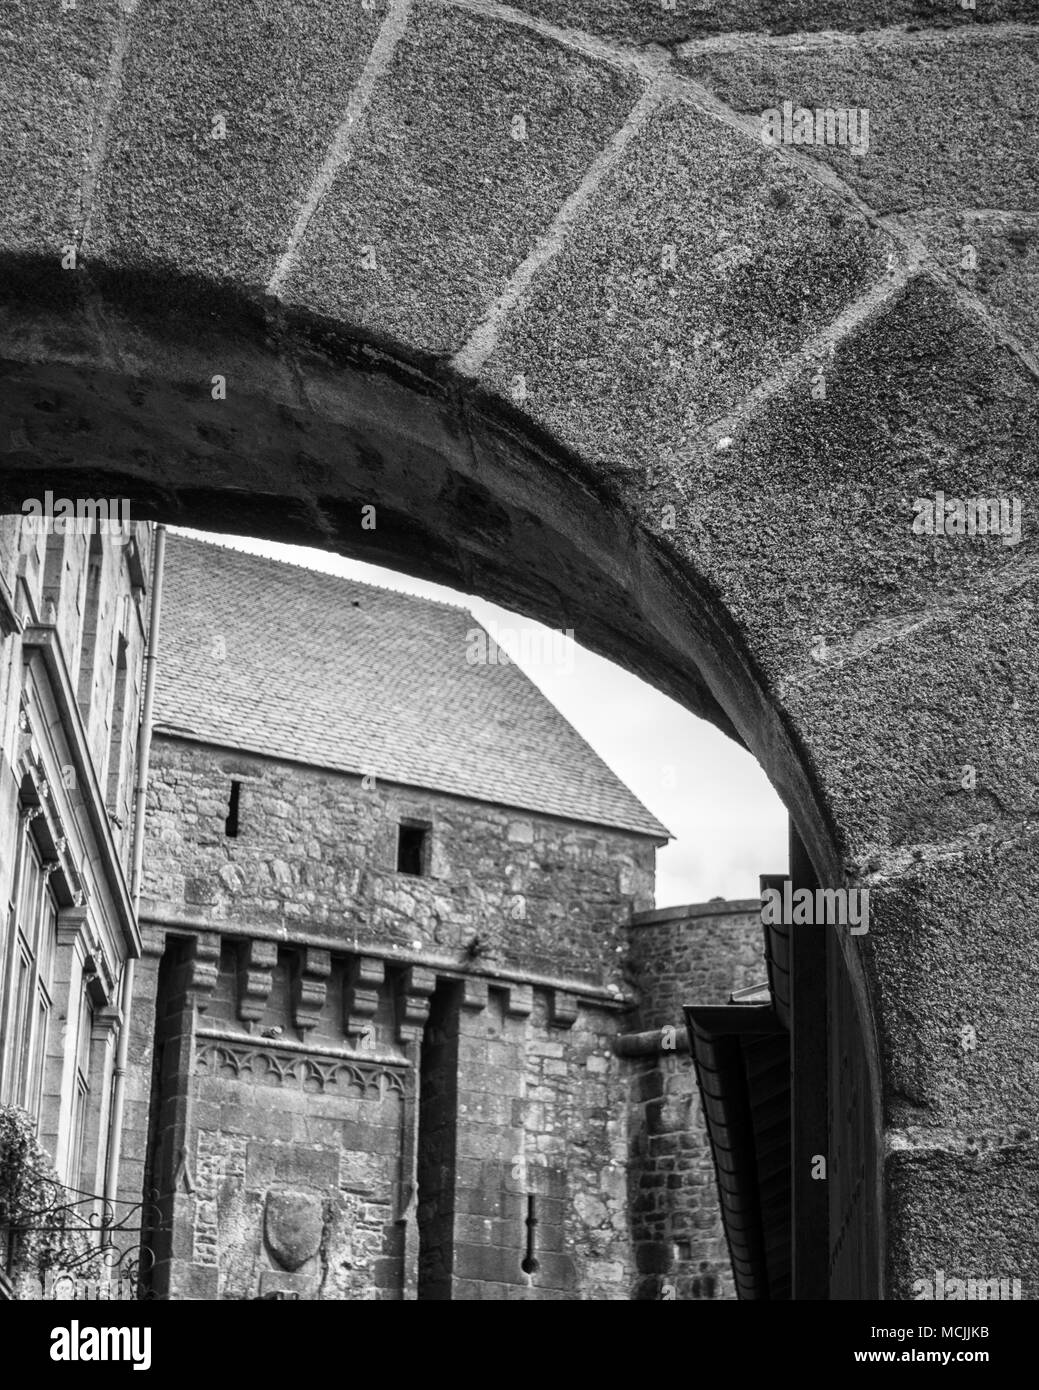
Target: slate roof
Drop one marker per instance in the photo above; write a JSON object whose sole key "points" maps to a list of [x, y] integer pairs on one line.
{"points": [[259, 655]]}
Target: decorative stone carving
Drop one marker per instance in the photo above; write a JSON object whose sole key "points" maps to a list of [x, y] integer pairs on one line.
{"points": [[474, 993], [273, 1067], [309, 987], [293, 1227], [413, 1003], [256, 964], [367, 974], [203, 967], [519, 1000], [106, 1022], [562, 1009]]}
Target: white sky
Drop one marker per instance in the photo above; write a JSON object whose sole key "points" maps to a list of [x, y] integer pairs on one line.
{"points": [[729, 825]]}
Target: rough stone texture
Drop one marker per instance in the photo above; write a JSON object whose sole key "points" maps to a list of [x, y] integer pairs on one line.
{"points": [[952, 116], [240, 1174], [925, 926], [316, 852], [298, 1180], [477, 487], [698, 955], [511, 1104], [439, 187], [286, 1161], [540, 1115], [670, 22], [991, 255], [283, 82], [681, 956], [730, 268], [521, 1094], [55, 63], [976, 1191]]}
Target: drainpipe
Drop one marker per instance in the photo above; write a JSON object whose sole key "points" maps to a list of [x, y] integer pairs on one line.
{"points": [[115, 1136]]}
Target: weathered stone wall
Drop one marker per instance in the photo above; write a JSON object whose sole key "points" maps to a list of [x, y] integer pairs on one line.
{"points": [[519, 1092], [316, 853], [280, 1152], [520, 1095], [635, 370], [679, 956], [541, 1119]]}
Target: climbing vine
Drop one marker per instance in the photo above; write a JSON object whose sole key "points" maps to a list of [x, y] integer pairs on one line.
{"points": [[41, 1227]]}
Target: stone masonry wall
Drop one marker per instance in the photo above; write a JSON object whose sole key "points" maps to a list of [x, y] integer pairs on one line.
{"points": [[691, 955], [287, 1157], [637, 369], [284, 1172], [316, 853], [516, 1094], [542, 1134]]}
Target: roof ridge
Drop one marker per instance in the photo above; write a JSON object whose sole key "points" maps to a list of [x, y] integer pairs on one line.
{"points": [[181, 538], [298, 677]]}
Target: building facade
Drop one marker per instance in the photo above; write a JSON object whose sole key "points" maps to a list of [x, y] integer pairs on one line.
{"points": [[394, 921], [405, 1022], [74, 622]]}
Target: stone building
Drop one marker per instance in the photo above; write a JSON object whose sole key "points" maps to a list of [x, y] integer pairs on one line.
{"points": [[527, 282], [394, 914], [74, 623], [406, 1023]]}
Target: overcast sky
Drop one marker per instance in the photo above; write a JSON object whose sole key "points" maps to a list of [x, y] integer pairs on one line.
{"points": [[729, 825]]}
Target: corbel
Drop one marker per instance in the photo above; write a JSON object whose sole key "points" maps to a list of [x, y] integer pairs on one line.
{"points": [[361, 1000], [519, 1000], [203, 967], [474, 993], [413, 1002], [309, 989], [256, 964], [562, 1009]]}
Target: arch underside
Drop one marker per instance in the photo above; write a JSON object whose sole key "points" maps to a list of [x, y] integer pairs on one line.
{"points": [[624, 370]]}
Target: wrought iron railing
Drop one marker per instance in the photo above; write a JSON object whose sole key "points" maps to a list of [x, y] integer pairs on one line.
{"points": [[89, 1241]]}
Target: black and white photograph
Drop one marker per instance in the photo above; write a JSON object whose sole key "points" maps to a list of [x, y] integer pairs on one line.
{"points": [[519, 696]]}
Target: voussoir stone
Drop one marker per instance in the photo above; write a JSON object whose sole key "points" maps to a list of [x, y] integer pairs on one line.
{"points": [[703, 264], [474, 138], [197, 198], [953, 117]]}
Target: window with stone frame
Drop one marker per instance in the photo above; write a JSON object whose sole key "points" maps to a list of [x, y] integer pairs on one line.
{"points": [[28, 1003], [80, 1091], [413, 848], [91, 622]]}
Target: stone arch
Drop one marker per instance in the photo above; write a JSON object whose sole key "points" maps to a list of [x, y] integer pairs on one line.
{"points": [[593, 350]]}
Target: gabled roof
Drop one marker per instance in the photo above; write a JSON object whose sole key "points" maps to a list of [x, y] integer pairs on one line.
{"points": [[259, 655]]}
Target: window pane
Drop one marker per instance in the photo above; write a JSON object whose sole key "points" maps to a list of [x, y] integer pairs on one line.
{"points": [[48, 938], [29, 901], [21, 1024], [39, 1042]]}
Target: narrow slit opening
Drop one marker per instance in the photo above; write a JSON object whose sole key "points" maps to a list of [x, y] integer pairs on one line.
{"points": [[231, 823]]}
